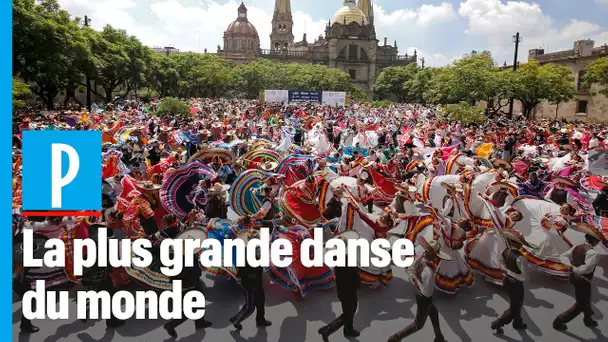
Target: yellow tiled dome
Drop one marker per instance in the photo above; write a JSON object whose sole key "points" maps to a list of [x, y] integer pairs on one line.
{"points": [[350, 12]]}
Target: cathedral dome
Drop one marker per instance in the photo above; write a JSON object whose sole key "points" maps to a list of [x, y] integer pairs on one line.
{"points": [[241, 27], [349, 13]]}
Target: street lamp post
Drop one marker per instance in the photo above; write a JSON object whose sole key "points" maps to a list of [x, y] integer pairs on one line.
{"points": [[86, 23], [516, 40]]}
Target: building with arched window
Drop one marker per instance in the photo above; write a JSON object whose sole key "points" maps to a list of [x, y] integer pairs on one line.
{"points": [[349, 44], [241, 38]]}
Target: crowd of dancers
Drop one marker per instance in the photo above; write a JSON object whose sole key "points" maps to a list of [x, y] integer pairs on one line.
{"points": [[498, 198]]}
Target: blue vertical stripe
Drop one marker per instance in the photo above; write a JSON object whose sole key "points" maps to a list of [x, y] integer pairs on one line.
{"points": [[6, 186]]}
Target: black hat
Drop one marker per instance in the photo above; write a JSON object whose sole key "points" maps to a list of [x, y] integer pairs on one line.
{"points": [[112, 233], [38, 246]]}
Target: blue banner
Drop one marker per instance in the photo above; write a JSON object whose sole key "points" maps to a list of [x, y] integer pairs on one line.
{"points": [[305, 96]]}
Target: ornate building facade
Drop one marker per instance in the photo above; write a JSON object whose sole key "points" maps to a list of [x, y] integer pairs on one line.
{"points": [[349, 43], [588, 104]]}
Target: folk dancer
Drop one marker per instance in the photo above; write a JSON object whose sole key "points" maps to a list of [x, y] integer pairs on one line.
{"points": [[251, 280], [455, 273], [347, 284], [583, 260], [515, 272], [191, 279], [423, 279], [216, 202], [97, 278]]}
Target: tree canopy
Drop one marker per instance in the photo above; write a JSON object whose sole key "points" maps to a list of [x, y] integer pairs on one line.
{"points": [[55, 54], [597, 72], [476, 78]]}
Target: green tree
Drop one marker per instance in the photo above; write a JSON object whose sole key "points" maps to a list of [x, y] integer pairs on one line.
{"points": [[464, 113], [498, 90], [21, 91], [47, 44], [395, 82], [172, 106], [118, 61], [163, 76], [465, 80], [597, 72], [532, 84]]}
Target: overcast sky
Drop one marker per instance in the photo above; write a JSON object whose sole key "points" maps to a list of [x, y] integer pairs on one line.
{"points": [[441, 30]]}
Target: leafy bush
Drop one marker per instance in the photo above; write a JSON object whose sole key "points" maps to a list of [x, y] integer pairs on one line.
{"points": [[21, 91], [172, 106], [464, 113]]}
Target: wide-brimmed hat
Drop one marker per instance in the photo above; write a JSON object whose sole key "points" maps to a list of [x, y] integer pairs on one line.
{"points": [[192, 234], [147, 186], [337, 191], [502, 163], [364, 175], [505, 185], [348, 235], [408, 187], [514, 236], [166, 128], [216, 125], [247, 235], [434, 248], [111, 233], [563, 181], [269, 166], [452, 187], [38, 242], [308, 149], [219, 188], [180, 151], [590, 230]]}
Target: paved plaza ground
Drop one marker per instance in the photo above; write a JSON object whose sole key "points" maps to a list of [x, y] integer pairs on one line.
{"points": [[465, 317]]}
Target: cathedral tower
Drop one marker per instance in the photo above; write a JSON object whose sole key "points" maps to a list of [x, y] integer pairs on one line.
{"points": [[368, 9], [281, 37]]}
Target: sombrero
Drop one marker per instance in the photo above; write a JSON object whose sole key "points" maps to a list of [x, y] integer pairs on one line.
{"points": [[219, 188], [451, 187], [216, 125], [269, 166], [542, 160], [568, 148], [111, 233], [589, 230], [502, 163], [38, 242], [563, 181], [338, 191], [180, 150], [408, 187], [348, 235], [433, 247], [308, 149], [147, 186], [506, 185], [247, 235], [364, 175], [514, 236]]}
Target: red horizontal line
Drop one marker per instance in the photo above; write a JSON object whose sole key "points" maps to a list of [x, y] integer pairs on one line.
{"points": [[61, 213]]}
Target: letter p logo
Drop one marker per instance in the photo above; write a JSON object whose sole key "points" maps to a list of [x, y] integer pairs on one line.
{"points": [[57, 180], [61, 171]]}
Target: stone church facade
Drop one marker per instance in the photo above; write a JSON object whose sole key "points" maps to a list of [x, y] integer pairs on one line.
{"points": [[349, 43]]}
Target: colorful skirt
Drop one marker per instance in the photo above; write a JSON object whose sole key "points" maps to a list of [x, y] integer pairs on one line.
{"points": [[296, 277], [221, 230], [483, 254], [306, 214], [453, 274]]}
